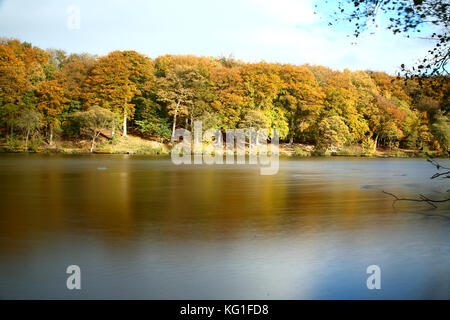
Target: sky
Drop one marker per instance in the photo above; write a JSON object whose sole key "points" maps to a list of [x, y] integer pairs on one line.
{"points": [[284, 31]]}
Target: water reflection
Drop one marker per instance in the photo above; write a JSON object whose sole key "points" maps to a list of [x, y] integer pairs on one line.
{"points": [[145, 228]]}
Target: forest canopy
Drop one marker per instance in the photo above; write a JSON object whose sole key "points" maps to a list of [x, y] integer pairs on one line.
{"points": [[41, 91]]}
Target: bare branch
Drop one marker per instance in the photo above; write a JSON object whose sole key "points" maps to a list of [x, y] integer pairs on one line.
{"points": [[445, 174], [423, 198]]}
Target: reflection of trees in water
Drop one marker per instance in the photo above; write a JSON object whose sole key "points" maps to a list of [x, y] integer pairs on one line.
{"points": [[135, 199]]}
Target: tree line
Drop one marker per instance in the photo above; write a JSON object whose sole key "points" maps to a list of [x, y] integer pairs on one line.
{"points": [[46, 94]]}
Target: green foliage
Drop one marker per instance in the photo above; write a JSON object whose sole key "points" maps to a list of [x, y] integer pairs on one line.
{"points": [[114, 139], [392, 134], [352, 150], [29, 123], [8, 116], [157, 129], [71, 129], [255, 119], [441, 130], [35, 143], [334, 132], [14, 144], [93, 121], [212, 121], [299, 152], [148, 150], [398, 154], [278, 121], [368, 146]]}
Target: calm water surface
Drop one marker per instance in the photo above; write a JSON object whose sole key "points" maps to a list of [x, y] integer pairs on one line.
{"points": [[143, 228]]}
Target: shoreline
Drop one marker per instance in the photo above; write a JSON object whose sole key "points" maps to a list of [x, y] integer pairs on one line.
{"points": [[399, 154], [135, 145]]}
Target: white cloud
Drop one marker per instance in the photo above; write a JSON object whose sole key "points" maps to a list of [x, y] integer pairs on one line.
{"points": [[287, 12], [294, 34], [284, 31]]}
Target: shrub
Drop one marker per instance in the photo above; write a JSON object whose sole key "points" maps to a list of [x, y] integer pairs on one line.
{"points": [[35, 143], [29, 124], [159, 129], [368, 146], [93, 121], [13, 144], [299, 152], [354, 150], [319, 152]]}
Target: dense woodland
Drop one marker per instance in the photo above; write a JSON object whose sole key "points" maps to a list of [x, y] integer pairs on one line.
{"points": [[49, 95]]}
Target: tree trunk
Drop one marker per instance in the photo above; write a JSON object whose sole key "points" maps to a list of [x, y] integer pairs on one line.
{"points": [[175, 119], [93, 142], [124, 123], [26, 140], [51, 136], [174, 124], [375, 144], [113, 130], [291, 125]]}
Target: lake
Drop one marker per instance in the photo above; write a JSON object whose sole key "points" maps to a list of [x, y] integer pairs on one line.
{"points": [[143, 228]]}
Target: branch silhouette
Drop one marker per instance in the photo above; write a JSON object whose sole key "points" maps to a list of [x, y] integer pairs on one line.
{"points": [[438, 166], [423, 198]]}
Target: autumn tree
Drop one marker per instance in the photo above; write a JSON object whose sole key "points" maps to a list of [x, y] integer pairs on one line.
{"points": [[115, 80], [72, 73], [306, 103], [29, 123], [51, 102], [93, 121], [9, 113], [334, 133], [13, 76], [177, 90], [262, 85], [230, 96], [301, 97], [55, 61], [341, 100], [254, 119], [441, 130], [33, 59]]}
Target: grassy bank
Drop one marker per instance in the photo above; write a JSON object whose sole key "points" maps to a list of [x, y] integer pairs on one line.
{"points": [[299, 150], [118, 145], [136, 145]]}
